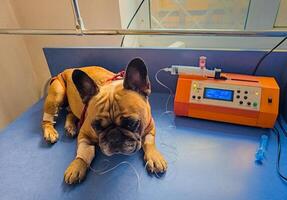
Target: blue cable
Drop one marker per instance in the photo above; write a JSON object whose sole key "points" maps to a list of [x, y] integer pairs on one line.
{"points": [[277, 133]]}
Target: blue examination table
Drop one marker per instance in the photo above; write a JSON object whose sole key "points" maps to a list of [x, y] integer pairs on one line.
{"points": [[207, 160]]}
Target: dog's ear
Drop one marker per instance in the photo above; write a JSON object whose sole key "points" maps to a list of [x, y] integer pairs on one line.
{"points": [[85, 85], [136, 77]]}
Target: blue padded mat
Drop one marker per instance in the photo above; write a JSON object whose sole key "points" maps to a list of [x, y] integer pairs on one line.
{"points": [[207, 160]]}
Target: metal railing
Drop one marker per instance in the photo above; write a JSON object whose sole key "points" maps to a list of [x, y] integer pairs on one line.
{"points": [[81, 31], [166, 32]]}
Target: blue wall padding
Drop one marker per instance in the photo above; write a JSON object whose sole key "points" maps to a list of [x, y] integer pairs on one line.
{"points": [[116, 59]]}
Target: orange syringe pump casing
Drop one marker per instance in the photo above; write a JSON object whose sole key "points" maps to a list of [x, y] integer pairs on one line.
{"points": [[255, 99]]}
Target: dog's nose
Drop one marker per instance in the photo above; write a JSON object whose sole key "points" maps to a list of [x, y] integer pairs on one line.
{"points": [[115, 138]]}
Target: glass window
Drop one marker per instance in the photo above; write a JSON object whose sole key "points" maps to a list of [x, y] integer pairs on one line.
{"points": [[281, 20], [199, 14]]}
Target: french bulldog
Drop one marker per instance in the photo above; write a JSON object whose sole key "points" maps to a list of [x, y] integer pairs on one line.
{"points": [[116, 115]]}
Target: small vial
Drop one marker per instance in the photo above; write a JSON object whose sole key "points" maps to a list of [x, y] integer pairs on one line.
{"points": [[202, 62], [202, 65]]}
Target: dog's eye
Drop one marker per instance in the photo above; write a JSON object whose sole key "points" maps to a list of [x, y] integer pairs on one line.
{"points": [[97, 124], [130, 124]]}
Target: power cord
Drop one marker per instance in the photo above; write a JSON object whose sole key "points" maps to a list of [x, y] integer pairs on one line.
{"points": [[136, 12], [277, 133], [266, 54]]}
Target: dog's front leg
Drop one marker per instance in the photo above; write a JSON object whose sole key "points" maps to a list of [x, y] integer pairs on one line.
{"points": [[153, 158], [55, 98], [77, 170]]}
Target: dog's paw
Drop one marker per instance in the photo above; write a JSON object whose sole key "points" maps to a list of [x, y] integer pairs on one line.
{"points": [[155, 161], [76, 171], [50, 134], [70, 129]]}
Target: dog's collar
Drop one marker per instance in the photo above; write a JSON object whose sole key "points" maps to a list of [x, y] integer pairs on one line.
{"points": [[83, 116], [118, 76]]}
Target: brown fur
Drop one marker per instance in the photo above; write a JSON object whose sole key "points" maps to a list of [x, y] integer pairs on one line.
{"points": [[112, 102]]}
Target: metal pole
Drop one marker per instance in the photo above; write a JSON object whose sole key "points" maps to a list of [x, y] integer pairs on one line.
{"points": [[39, 32], [149, 14], [79, 23], [165, 32]]}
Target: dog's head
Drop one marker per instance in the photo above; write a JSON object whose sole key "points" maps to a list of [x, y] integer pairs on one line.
{"points": [[118, 113]]}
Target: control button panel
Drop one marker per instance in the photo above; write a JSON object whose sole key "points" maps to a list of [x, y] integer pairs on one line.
{"points": [[225, 95]]}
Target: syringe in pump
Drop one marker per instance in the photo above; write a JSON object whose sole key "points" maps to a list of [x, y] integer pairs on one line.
{"points": [[192, 70], [195, 71]]}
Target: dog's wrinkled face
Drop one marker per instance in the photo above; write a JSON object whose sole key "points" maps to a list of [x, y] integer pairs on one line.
{"points": [[124, 139], [119, 130], [119, 113]]}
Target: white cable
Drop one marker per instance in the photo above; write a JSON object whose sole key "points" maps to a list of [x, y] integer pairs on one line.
{"points": [[100, 172], [162, 84]]}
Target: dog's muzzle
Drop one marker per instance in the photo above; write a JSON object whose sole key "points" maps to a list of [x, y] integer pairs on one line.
{"points": [[119, 141]]}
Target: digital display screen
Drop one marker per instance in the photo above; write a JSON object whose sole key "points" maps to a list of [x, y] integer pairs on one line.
{"points": [[218, 94]]}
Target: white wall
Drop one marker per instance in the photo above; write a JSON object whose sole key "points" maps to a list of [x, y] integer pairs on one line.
{"points": [[23, 65], [58, 14], [282, 14], [18, 85]]}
